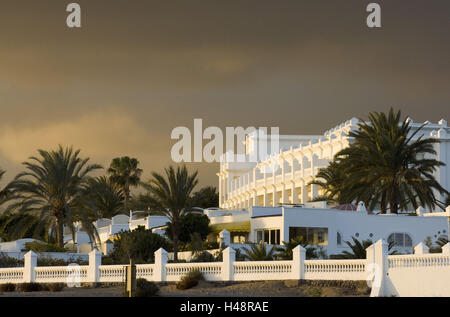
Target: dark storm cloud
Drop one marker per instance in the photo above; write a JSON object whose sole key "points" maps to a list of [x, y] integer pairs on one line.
{"points": [[137, 69]]}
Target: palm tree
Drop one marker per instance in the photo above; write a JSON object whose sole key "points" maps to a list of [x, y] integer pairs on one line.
{"points": [[285, 252], [258, 252], [206, 197], [385, 167], [358, 249], [5, 191], [124, 171], [51, 188], [104, 199], [172, 196], [331, 180]]}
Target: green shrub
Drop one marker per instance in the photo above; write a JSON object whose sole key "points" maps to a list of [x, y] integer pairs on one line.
{"points": [[60, 262], [145, 288], [29, 287], [191, 279], [8, 287], [139, 244], [314, 292], [55, 287], [6, 261], [39, 246]]}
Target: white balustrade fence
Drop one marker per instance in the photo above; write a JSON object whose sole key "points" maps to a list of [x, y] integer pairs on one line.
{"points": [[419, 274]]}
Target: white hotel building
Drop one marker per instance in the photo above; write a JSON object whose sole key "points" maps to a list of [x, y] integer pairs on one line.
{"points": [[294, 163], [254, 206]]}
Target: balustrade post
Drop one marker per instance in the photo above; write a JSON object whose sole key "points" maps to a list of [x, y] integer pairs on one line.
{"points": [[228, 258], [446, 248], [377, 267], [421, 249], [95, 260], [298, 262], [30, 262], [159, 272]]}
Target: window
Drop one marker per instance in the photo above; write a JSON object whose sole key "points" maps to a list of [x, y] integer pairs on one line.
{"points": [[239, 237], [401, 240], [310, 235], [338, 238], [268, 236]]}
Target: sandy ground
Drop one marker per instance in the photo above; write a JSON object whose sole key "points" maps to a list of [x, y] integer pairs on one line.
{"points": [[211, 289]]}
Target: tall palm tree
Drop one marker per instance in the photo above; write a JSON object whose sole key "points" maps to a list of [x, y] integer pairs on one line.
{"points": [[51, 188], [206, 197], [172, 196], [331, 180], [125, 172], [5, 191], [104, 199], [385, 165]]}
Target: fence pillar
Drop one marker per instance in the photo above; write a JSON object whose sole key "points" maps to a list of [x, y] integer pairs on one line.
{"points": [[30, 262], [228, 257], [159, 271], [377, 267], [95, 260], [421, 249], [298, 262], [225, 238], [446, 248]]}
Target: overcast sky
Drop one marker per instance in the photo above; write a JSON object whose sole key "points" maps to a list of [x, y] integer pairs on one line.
{"points": [[138, 69]]}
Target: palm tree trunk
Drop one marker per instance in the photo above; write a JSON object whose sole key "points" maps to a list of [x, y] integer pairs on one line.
{"points": [[60, 232], [127, 196], [175, 240]]}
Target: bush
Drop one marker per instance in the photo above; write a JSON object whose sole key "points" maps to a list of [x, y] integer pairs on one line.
{"points": [[39, 246], [29, 287], [190, 223], [205, 256], [139, 244], [55, 287], [145, 288], [60, 262], [8, 287], [6, 261], [190, 280]]}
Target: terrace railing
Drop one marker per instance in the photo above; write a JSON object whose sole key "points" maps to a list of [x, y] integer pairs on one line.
{"points": [[388, 274]]}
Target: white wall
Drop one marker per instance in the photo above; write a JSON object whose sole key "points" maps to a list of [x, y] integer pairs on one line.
{"points": [[351, 223]]}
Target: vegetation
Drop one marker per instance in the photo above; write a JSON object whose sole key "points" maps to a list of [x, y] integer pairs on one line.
{"points": [[205, 198], [190, 280], [6, 261], [190, 223], [124, 172], [440, 242], [29, 287], [358, 249], [172, 196], [105, 198], [285, 252], [39, 246], [54, 287], [7, 287], [384, 167], [139, 244], [204, 256], [258, 252], [145, 288], [14, 226], [50, 189]]}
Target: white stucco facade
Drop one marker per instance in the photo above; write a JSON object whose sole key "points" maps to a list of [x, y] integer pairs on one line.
{"points": [[295, 162]]}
